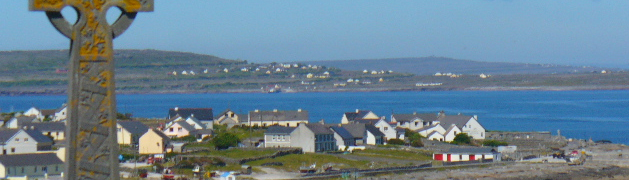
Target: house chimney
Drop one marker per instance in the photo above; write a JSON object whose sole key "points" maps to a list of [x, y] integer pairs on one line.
{"points": [[322, 121], [476, 117]]}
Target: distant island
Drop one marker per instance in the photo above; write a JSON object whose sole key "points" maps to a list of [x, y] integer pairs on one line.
{"points": [[154, 71]]}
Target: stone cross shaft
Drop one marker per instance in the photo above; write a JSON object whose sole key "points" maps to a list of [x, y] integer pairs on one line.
{"points": [[92, 147]]}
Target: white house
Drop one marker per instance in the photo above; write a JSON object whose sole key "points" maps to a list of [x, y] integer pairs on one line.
{"points": [[278, 136], [414, 121], [179, 129], [385, 127], [61, 113], [451, 132], [56, 130], [17, 122], [358, 115], [429, 129], [465, 124], [24, 141], [30, 166], [467, 154], [275, 117], [33, 111], [313, 138]]}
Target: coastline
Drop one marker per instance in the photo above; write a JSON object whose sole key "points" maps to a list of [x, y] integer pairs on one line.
{"points": [[54, 92]]}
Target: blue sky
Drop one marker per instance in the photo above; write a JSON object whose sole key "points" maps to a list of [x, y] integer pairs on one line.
{"points": [[574, 32]]}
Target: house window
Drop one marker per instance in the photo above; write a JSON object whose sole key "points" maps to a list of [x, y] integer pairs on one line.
{"points": [[171, 129], [35, 168], [386, 128], [22, 170], [25, 139], [179, 129], [119, 129], [17, 139], [44, 169], [12, 150], [416, 123], [57, 133], [57, 168]]}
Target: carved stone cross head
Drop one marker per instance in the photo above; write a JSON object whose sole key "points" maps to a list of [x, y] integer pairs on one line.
{"points": [[92, 12]]}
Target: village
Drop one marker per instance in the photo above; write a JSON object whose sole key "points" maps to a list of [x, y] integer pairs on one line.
{"points": [[195, 142]]}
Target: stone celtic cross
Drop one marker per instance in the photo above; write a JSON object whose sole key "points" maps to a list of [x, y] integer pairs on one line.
{"points": [[92, 147]]}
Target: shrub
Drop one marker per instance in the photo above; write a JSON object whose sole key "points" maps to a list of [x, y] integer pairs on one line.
{"points": [[396, 141], [494, 143], [225, 140], [462, 138]]}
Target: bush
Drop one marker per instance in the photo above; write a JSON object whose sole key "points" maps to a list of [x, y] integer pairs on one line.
{"points": [[462, 138], [395, 141], [188, 138], [494, 143], [225, 140], [417, 143]]}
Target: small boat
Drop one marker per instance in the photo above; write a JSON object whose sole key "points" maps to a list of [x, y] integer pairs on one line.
{"points": [[168, 174], [308, 169]]}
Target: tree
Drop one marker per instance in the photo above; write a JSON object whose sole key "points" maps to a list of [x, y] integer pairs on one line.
{"points": [[225, 140], [414, 138], [462, 138]]}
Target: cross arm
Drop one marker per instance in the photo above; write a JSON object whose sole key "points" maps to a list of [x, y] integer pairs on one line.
{"points": [[135, 5], [46, 5]]}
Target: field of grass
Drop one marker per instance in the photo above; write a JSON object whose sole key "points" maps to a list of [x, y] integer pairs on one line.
{"points": [[238, 153], [419, 155], [292, 162]]}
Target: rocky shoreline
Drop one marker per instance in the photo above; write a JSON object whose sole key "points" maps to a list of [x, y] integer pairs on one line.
{"points": [[59, 91]]}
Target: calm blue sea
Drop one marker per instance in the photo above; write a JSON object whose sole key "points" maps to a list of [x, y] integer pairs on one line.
{"points": [[578, 114]]}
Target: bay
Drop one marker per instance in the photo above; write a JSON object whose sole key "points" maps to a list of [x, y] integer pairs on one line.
{"points": [[578, 114]]}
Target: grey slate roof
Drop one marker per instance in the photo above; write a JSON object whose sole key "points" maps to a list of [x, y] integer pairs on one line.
{"points": [[185, 125], [366, 121], [356, 130], [203, 114], [203, 131], [426, 128], [458, 120], [47, 126], [278, 115], [30, 160], [342, 132], [351, 116], [6, 134], [38, 136], [134, 127], [319, 129], [471, 150], [279, 130], [374, 130], [25, 119], [48, 112], [410, 117], [161, 134]]}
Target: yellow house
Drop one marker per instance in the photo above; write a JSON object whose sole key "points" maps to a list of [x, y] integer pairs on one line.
{"points": [[130, 131], [153, 142]]}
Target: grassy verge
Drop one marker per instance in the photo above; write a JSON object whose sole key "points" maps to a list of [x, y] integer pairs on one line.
{"points": [[239, 153], [396, 154], [291, 163]]}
